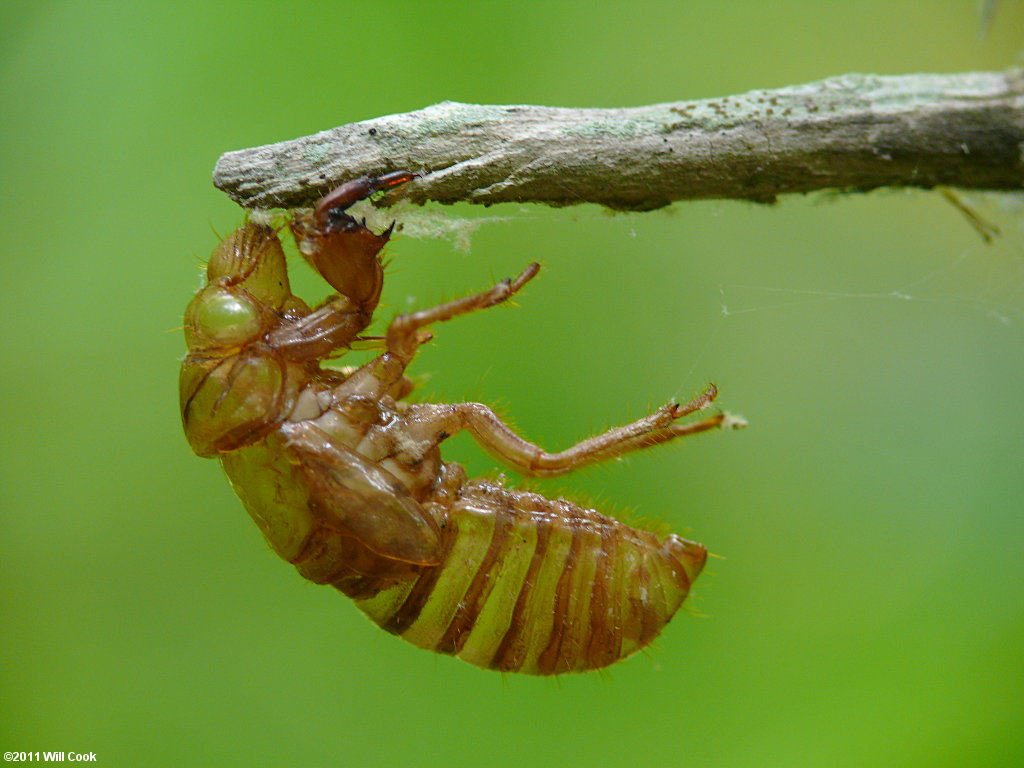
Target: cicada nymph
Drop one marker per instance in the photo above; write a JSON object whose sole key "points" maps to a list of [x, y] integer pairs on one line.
{"points": [[347, 483]]}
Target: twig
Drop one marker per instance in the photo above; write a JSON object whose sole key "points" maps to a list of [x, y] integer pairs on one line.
{"points": [[855, 132]]}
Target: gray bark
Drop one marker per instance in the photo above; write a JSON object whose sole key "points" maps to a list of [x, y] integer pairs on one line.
{"points": [[854, 132]]}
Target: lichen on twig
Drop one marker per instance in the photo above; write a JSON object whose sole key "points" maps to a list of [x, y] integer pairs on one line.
{"points": [[854, 132]]}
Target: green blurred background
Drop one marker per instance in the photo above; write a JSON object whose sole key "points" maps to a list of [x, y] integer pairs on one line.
{"points": [[870, 609]]}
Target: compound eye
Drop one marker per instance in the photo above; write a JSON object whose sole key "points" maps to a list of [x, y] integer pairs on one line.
{"points": [[225, 318]]}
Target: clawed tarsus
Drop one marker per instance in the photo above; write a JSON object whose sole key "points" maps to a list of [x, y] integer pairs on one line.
{"points": [[429, 424]]}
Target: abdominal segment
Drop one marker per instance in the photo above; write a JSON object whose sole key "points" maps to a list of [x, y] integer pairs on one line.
{"points": [[539, 586]]}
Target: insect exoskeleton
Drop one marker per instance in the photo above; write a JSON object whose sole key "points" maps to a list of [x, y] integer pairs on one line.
{"points": [[347, 483]]}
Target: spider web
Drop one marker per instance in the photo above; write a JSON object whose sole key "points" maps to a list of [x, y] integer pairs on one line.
{"points": [[986, 278], [982, 282]]}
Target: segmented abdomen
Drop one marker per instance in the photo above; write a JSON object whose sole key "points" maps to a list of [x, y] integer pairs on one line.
{"points": [[527, 584]]}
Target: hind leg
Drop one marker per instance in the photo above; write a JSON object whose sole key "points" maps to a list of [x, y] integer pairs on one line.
{"points": [[427, 425]]}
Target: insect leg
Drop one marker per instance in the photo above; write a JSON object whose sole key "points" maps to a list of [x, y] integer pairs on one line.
{"points": [[403, 334], [322, 332], [432, 423], [341, 198], [406, 333]]}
